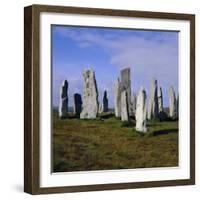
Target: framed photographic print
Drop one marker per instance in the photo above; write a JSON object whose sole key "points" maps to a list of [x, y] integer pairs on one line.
{"points": [[109, 99]]}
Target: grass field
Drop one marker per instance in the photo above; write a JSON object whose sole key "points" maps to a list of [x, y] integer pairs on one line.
{"points": [[106, 143]]}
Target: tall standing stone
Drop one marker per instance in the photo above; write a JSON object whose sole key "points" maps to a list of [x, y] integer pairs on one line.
{"points": [[160, 100], [77, 104], [63, 106], [105, 102], [153, 101], [100, 108], [141, 111], [117, 98], [172, 103], [126, 84], [90, 96], [124, 106], [133, 104]]}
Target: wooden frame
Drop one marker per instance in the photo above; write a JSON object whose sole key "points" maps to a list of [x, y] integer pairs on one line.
{"points": [[32, 105]]}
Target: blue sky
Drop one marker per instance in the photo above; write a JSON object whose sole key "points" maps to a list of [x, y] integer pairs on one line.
{"points": [[149, 54]]}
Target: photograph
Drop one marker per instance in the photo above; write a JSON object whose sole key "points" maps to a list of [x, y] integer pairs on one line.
{"points": [[109, 99], [114, 98]]}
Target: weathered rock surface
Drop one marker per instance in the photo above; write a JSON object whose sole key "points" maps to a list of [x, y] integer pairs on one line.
{"points": [[153, 101], [100, 108], [63, 106], [124, 106], [141, 111], [133, 104], [117, 98], [172, 103], [105, 102], [90, 96], [77, 104], [160, 100], [126, 84]]}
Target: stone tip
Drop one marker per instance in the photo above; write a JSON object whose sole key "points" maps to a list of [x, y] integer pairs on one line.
{"points": [[125, 68], [154, 80], [171, 87], [142, 88], [88, 69], [77, 94], [160, 89], [65, 82], [88, 72]]}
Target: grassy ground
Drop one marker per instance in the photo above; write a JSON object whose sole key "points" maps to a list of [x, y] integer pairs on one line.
{"points": [[107, 143]]}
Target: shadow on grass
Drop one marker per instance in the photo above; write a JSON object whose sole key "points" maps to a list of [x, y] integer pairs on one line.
{"points": [[171, 120], [70, 116], [74, 117], [107, 116], [163, 132], [152, 125], [128, 124]]}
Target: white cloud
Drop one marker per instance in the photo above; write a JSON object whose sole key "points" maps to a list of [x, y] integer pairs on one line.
{"points": [[149, 57]]}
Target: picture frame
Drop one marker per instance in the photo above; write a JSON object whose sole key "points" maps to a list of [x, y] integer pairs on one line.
{"points": [[32, 94]]}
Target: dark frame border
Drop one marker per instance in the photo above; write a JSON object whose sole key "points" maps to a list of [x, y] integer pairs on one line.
{"points": [[32, 105]]}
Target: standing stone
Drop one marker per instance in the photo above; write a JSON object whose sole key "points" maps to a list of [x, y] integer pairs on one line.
{"points": [[105, 102], [160, 100], [77, 104], [90, 96], [133, 104], [141, 111], [172, 103], [117, 98], [126, 84], [124, 106], [100, 108], [63, 106], [153, 101]]}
